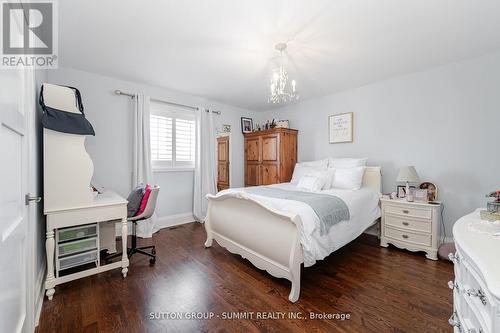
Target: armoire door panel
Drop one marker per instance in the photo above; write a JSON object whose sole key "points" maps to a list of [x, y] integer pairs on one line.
{"points": [[270, 148], [222, 162], [252, 175], [222, 173], [222, 151], [269, 174], [252, 149]]}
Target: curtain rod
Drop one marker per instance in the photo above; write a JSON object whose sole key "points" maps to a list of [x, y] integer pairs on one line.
{"points": [[119, 92]]}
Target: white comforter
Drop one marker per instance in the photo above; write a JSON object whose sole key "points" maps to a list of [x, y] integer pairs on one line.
{"points": [[363, 208]]}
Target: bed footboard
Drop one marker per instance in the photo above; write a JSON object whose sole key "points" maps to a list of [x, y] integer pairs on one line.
{"points": [[268, 239]]}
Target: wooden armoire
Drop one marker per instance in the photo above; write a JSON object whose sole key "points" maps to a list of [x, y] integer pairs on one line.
{"points": [[270, 156]]}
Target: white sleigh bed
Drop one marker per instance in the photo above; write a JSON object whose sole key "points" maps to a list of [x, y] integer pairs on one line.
{"points": [[270, 238]]}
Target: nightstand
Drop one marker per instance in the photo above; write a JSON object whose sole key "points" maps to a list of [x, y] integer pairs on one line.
{"points": [[411, 225]]}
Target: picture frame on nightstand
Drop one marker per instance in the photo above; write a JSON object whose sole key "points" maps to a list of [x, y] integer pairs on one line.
{"points": [[421, 196], [401, 191]]}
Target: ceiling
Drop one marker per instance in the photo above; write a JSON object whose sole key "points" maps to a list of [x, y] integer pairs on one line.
{"points": [[223, 49]]}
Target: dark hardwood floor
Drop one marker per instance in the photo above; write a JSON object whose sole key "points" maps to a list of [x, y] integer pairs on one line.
{"points": [[383, 290]]}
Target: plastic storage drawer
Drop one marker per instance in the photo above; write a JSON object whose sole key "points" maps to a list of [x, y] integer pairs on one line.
{"points": [[78, 246], [77, 260], [82, 231]]}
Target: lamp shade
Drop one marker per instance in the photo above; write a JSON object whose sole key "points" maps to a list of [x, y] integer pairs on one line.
{"points": [[408, 174]]}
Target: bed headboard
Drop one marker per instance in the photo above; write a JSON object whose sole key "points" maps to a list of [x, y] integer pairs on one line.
{"points": [[373, 178]]}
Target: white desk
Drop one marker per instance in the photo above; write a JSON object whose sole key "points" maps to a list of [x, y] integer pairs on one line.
{"points": [[104, 207]]}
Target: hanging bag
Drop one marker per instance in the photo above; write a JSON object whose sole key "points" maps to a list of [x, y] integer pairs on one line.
{"points": [[64, 121]]}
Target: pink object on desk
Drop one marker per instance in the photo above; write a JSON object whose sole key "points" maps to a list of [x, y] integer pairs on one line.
{"points": [[144, 202]]}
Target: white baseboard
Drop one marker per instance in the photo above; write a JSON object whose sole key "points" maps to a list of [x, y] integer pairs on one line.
{"points": [[163, 222], [40, 292], [173, 220]]}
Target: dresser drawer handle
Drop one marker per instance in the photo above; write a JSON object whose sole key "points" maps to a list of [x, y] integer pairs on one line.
{"points": [[477, 293], [406, 223], [455, 322], [406, 236], [454, 258], [453, 285], [406, 211]]}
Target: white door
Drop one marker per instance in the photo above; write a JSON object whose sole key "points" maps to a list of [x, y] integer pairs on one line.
{"points": [[13, 211]]}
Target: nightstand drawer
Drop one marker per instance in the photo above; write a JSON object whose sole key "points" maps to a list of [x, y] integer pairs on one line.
{"points": [[408, 237], [408, 223], [423, 212]]}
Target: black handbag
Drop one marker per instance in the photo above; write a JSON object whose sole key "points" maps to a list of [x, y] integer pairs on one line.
{"points": [[64, 121]]}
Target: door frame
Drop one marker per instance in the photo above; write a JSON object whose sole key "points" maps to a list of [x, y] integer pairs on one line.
{"points": [[221, 135]]}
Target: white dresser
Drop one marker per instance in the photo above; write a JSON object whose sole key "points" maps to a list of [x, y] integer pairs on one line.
{"points": [[411, 225], [476, 288]]}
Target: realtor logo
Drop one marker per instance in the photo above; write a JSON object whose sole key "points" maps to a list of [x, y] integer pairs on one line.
{"points": [[29, 34]]}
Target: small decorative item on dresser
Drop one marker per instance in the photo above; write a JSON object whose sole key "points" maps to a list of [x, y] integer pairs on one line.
{"points": [[492, 212], [246, 125], [494, 206], [226, 128], [432, 190], [282, 124]]}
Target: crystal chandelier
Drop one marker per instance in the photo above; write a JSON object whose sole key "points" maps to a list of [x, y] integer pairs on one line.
{"points": [[282, 91]]}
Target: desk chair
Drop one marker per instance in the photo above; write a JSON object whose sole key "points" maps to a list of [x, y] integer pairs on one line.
{"points": [[148, 212]]}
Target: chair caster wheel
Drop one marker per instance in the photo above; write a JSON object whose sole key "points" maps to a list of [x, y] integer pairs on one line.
{"points": [[152, 261], [153, 251]]}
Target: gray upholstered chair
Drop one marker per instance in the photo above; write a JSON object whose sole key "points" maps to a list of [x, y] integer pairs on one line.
{"points": [[148, 212]]}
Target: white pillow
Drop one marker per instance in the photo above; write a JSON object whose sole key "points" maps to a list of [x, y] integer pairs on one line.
{"points": [[321, 164], [327, 175], [343, 163], [301, 171], [311, 183], [349, 179]]}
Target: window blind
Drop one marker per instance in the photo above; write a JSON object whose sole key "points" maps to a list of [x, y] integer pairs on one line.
{"points": [[173, 136]]}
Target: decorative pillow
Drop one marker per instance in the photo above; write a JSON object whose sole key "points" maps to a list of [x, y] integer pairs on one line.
{"points": [[327, 176], [344, 163], [302, 170], [349, 179], [134, 200], [311, 183], [145, 198]]}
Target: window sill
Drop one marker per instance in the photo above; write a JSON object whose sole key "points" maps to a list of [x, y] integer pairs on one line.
{"points": [[180, 169]]}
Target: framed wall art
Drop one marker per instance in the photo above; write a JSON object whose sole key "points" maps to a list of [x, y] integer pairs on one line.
{"points": [[340, 127]]}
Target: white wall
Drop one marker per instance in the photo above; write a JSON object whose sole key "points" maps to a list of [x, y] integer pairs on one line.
{"points": [[111, 148], [444, 121]]}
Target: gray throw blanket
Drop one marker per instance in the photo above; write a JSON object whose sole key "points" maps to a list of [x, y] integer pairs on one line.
{"points": [[330, 209]]}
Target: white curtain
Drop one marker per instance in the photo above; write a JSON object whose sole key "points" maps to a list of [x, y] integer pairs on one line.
{"points": [[141, 170], [205, 176]]}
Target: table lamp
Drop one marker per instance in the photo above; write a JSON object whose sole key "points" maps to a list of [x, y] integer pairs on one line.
{"points": [[408, 175]]}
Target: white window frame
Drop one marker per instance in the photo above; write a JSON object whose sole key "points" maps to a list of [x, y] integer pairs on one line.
{"points": [[174, 112]]}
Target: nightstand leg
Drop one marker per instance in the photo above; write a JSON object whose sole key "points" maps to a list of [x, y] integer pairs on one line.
{"points": [[383, 243], [431, 255]]}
